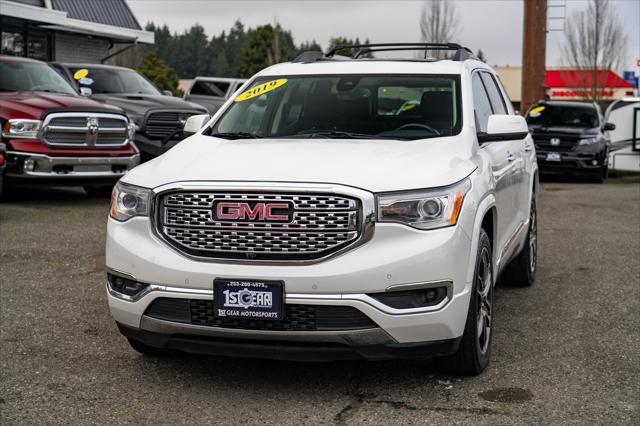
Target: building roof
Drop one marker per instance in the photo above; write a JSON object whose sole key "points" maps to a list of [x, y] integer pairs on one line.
{"points": [[111, 19], [108, 12], [583, 78]]}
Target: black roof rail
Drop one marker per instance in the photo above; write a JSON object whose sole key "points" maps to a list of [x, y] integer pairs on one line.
{"points": [[461, 53]]}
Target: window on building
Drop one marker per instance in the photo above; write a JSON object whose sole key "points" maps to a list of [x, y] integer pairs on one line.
{"points": [[13, 43], [38, 46], [25, 43]]}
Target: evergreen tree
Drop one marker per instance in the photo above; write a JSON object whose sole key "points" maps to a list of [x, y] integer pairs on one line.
{"points": [[159, 73], [263, 46]]}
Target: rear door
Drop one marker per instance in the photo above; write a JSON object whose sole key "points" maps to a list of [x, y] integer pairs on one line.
{"points": [[503, 166]]}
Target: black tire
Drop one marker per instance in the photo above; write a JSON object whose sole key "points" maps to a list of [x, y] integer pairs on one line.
{"points": [[145, 349], [521, 272], [5, 188], [98, 191], [474, 352]]}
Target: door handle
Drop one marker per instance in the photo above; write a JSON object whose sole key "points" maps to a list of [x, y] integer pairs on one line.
{"points": [[511, 157], [528, 148]]}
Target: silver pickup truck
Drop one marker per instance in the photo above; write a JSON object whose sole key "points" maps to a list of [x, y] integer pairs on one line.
{"points": [[212, 92]]}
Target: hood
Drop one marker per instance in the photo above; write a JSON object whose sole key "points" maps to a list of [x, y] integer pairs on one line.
{"points": [[576, 131], [377, 166], [32, 104], [138, 104]]}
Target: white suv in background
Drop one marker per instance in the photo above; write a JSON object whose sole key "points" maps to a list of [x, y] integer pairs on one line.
{"points": [[335, 207]]}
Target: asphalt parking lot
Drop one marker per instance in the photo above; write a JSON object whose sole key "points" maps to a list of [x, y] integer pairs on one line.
{"points": [[566, 350]]}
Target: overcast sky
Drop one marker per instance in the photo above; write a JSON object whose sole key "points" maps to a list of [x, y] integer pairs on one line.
{"points": [[495, 26]]}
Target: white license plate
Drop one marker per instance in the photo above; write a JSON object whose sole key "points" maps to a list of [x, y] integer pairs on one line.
{"points": [[553, 156]]}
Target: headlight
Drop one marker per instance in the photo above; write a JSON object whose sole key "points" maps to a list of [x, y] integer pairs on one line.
{"points": [[19, 128], [136, 120], [128, 201], [588, 141], [424, 209], [131, 131]]}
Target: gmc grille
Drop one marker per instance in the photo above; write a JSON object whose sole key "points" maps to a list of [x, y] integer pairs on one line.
{"points": [[85, 129], [297, 317], [166, 124], [318, 225]]}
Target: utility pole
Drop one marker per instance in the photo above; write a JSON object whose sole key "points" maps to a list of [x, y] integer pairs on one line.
{"points": [[533, 52]]}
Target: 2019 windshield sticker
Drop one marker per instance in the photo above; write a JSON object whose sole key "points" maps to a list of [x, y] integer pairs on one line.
{"points": [[536, 112], [81, 73], [260, 89]]}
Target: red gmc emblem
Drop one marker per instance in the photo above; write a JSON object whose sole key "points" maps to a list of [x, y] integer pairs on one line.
{"points": [[247, 211]]}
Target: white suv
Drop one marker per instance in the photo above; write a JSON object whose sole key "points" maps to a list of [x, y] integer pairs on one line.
{"points": [[333, 208]]}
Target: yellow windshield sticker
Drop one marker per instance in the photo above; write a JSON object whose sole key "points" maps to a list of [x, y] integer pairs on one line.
{"points": [[81, 73], [408, 107], [536, 112], [260, 89]]}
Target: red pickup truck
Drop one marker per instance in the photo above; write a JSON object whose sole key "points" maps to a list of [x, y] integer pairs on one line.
{"points": [[54, 136]]}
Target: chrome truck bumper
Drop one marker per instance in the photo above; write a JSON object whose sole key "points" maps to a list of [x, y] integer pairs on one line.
{"points": [[30, 165]]}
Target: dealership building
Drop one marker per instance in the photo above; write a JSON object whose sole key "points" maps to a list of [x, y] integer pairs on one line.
{"points": [[568, 84], [69, 30]]}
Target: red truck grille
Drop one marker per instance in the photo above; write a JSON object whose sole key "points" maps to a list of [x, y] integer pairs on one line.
{"points": [[82, 129]]}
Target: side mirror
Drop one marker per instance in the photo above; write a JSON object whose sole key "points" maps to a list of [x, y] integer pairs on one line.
{"points": [[608, 126], [86, 91], [195, 123], [503, 127], [167, 92]]}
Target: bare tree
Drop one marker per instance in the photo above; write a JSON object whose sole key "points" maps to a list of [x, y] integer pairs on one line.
{"points": [[439, 23], [595, 40]]}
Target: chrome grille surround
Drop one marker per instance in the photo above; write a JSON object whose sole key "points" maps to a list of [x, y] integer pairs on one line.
{"points": [[326, 220], [84, 129]]}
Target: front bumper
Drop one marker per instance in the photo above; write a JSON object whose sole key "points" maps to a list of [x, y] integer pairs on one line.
{"points": [[395, 255], [26, 165], [570, 162], [371, 345]]}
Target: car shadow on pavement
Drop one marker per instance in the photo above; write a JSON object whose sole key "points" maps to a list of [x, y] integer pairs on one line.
{"points": [[50, 195]]}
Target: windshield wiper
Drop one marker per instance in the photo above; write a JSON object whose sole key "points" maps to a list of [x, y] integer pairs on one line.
{"points": [[237, 135], [337, 134]]}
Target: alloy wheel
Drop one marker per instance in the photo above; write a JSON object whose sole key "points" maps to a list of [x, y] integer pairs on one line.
{"points": [[533, 239], [484, 288]]}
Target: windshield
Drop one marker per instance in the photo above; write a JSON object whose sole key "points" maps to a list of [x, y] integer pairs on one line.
{"points": [[112, 80], [563, 116], [31, 76], [345, 106]]}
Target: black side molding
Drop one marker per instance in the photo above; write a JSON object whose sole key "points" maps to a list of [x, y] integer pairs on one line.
{"points": [[484, 137]]}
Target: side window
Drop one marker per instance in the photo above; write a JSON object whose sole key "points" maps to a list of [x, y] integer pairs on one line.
{"points": [[481, 104], [210, 88], [495, 97]]}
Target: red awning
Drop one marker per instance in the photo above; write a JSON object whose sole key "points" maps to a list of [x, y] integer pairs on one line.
{"points": [[579, 78]]}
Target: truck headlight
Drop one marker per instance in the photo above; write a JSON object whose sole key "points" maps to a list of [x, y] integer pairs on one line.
{"points": [[588, 141], [21, 128], [131, 131], [424, 209], [128, 201]]}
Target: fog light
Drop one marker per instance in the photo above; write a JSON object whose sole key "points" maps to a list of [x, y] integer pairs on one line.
{"points": [[29, 165], [594, 162], [126, 288], [413, 298]]}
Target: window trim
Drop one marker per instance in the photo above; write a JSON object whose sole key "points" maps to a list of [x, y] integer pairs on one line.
{"points": [[504, 105], [473, 73]]}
